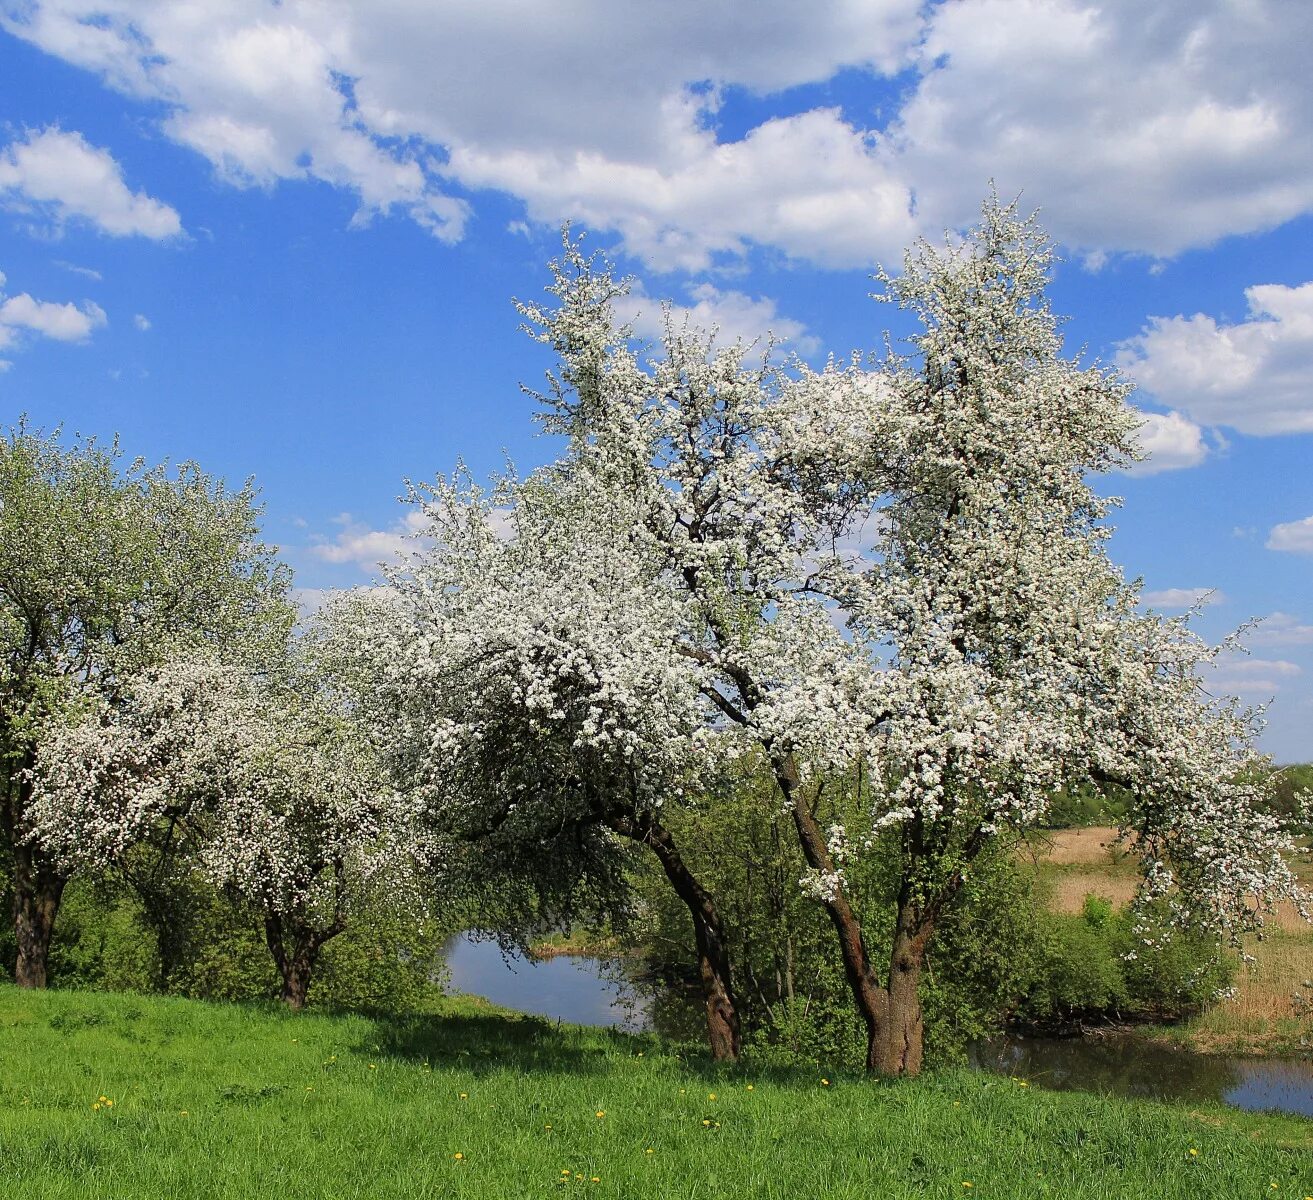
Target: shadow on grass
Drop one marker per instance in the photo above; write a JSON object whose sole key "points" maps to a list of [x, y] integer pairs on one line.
{"points": [[499, 1040]]}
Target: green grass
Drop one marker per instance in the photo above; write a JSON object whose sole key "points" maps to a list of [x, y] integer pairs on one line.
{"points": [[232, 1101]]}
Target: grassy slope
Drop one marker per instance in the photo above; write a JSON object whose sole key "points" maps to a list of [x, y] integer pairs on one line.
{"points": [[228, 1101]]}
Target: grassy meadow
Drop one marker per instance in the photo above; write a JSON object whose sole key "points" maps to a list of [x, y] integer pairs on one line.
{"points": [[131, 1096], [1271, 1011]]}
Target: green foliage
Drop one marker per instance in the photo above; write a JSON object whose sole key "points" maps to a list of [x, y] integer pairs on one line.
{"points": [[1103, 964], [387, 960], [249, 1102], [1086, 805], [794, 1000]]}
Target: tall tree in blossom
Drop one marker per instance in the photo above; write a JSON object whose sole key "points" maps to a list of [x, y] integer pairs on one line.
{"points": [[105, 570], [938, 511]]}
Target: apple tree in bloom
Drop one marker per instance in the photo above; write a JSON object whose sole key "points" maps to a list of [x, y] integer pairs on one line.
{"points": [[264, 779], [107, 568], [528, 681], [901, 569]]}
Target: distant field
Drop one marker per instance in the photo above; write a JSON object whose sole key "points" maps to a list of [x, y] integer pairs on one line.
{"points": [[1272, 1009], [129, 1097]]}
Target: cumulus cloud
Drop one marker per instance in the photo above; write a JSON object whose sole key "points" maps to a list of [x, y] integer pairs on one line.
{"points": [[1255, 376], [1140, 128], [1181, 598], [21, 314], [1170, 442], [141, 322], [368, 548], [735, 315], [1295, 536], [59, 176], [1148, 128]]}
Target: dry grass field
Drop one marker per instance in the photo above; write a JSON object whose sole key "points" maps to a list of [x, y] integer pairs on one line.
{"points": [[1272, 1008]]}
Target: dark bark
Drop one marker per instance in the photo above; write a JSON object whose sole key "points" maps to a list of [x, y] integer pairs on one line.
{"points": [[723, 1032], [871, 999], [903, 1038], [295, 948], [38, 889]]}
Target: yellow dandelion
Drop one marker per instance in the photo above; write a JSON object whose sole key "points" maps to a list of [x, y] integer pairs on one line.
{"points": [[458, 1156], [373, 1066], [749, 1087], [648, 1150], [597, 1179], [1193, 1152], [310, 1089], [546, 1126], [825, 1083], [109, 1103], [681, 1091], [464, 1096], [182, 1112], [601, 1112], [706, 1123], [96, 1107], [565, 1170], [711, 1095]]}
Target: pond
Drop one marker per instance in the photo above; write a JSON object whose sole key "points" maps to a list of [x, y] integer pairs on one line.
{"points": [[591, 991], [582, 991]]}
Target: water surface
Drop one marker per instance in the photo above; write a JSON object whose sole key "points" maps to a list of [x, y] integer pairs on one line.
{"points": [[591, 991]]}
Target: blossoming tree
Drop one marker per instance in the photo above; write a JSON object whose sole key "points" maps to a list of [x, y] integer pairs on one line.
{"points": [[271, 788], [104, 571], [902, 569], [525, 673]]}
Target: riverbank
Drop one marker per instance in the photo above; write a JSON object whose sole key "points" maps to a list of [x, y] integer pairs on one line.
{"points": [[1270, 1010], [136, 1096]]}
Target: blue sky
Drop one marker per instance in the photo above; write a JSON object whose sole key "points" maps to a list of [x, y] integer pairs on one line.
{"points": [[282, 239]]}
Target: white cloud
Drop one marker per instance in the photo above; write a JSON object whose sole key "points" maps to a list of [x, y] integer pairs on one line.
{"points": [[736, 315], [1148, 135], [1281, 629], [1142, 128], [1180, 598], [1255, 376], [1295, 536], [85, 272], [367, 548], [1171, 442], [141, 322], [1252, 678], [62, 322], [60, 176]]}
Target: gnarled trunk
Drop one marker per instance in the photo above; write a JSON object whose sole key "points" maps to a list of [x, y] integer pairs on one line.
{"points": [[38, 889], [723, 1032], [295, 948], [902, 1040]]}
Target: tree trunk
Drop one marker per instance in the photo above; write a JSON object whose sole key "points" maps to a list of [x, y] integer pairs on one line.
{"points": [[872, 1001], [723, 1033], [38, 889], [902, 1043], [295, 949]]}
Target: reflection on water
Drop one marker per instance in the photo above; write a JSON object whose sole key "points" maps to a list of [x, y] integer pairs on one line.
{"points": [[583, 991], [1127, 1066], [591, 991]]}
